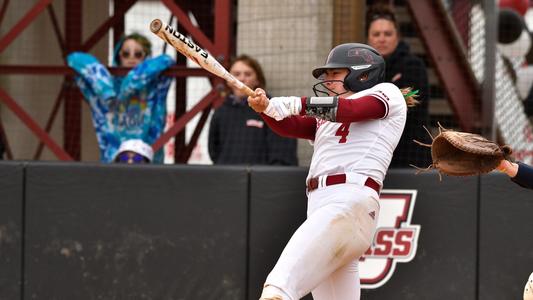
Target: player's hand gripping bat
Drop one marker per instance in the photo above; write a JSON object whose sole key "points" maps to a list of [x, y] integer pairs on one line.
{"points": [[186, 47]]}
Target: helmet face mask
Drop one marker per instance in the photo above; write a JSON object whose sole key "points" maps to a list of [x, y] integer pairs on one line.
{"points": [[321, 88], [366, 67]]}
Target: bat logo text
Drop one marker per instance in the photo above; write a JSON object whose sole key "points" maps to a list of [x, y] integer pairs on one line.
{"points": [[186, 41]]}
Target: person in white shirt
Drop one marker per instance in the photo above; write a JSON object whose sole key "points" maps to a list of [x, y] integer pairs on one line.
{"points": [[354, 129]]}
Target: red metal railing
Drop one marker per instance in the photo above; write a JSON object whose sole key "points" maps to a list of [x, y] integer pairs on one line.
{"points": [[445, 48], [219, 46]]}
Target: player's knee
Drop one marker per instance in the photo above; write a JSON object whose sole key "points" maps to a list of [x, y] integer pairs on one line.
{"points": [[271, 292]]}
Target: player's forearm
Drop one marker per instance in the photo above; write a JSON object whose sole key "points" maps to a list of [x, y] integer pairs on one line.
{"points": [[293, 127], [332, 109], [346, 110], [523, 175], [362, 109]]}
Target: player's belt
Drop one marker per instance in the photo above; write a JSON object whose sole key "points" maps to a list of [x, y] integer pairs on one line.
{"points": [[313, 183]]}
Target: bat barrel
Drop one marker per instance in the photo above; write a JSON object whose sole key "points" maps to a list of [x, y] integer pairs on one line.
{"points": [[186, 47], [156, 25]]}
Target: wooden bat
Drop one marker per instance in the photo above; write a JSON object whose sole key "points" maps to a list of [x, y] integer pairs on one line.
{"points": [[186, 47]]}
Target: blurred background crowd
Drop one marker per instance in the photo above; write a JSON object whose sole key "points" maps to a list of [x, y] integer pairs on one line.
{"points": [[87, 81]]}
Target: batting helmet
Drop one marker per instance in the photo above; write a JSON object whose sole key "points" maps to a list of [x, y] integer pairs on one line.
{"points": [[359, 59]]}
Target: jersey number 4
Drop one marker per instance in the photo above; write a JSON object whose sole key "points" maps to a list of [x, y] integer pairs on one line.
{"points": [[343, 131]]}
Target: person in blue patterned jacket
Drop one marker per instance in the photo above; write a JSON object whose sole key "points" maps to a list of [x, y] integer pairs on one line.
{"points": [[125, 107]]}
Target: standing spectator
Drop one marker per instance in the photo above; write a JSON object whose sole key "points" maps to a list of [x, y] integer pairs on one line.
{"points": [[237, 134], [404, 70], [125, 107]]}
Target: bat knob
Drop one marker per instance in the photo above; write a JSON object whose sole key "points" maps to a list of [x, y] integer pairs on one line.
{"points": [[156, 25]]}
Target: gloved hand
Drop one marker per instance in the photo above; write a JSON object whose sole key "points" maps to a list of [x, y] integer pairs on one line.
{"points": [[463, 154], [280, 108]]}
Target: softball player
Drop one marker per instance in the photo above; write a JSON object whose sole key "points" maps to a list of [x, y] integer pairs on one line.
{"points": [[354, 130]]}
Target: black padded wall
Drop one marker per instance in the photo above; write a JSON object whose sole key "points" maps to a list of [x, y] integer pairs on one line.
{"points": [[135, 232], [90, 231], [506, 238], [278, 206], [445, 263], [11, 229]]}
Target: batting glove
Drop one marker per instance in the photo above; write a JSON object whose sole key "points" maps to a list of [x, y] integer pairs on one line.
{"points": [[281, 107]]}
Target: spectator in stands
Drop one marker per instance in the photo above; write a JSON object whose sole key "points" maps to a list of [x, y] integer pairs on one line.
{"points": [[134, 152], [125, 107], [237, 134], [404, 70], [519, 173]]}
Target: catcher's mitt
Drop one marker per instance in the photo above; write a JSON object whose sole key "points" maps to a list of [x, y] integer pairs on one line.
{"points": [[462, 154]]}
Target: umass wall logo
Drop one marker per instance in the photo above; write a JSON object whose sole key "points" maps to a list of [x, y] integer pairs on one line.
{"points": [[395, 241]]}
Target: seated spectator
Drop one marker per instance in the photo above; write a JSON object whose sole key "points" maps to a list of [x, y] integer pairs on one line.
{"points": [[134, 152], [125, 107], [237, 134], [404, 70]]}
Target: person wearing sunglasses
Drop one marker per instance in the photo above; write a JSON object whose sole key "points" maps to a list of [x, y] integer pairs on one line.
{"points": [[403, 69], [134, 152], [125, 107], [131, 54]]}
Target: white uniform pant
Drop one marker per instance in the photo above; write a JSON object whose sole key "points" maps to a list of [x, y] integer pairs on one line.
{"points": [[322, 255]]}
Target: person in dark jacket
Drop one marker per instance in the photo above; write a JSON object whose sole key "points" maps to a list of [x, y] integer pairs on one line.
{"points": [[520, 173], [404, 70], [237, 134]]}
